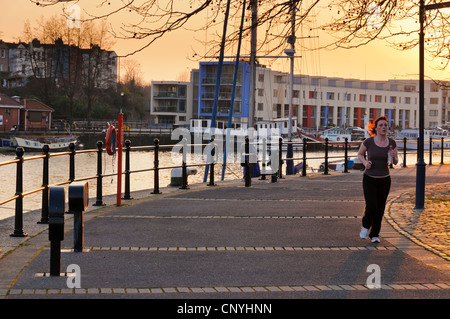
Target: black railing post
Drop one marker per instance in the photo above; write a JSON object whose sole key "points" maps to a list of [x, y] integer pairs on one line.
{"points": [[211, 165], [442, 151], [184, 178], [431, 150], [18, 218], [263, 161], [404, 152], [156, 168], [280, 158], [99, 201], [325, 171], [346, 156], [72, 162], [127, 195], [248, 176], [44, 213], [304, 157]]}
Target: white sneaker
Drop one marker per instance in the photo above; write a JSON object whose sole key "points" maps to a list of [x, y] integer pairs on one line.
{"points": [[375, 240], [364, 234]]}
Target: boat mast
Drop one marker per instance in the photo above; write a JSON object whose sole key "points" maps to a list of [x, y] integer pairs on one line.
{"points": [[251, 105], [233, 92], [217, 88]]}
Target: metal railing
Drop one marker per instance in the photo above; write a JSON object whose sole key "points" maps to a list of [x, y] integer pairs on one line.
{"points": [[246, 162]]}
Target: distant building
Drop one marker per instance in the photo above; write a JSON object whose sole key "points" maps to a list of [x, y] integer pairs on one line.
{"points": [[9, 113], [318, 101], [171, 102], [58, 61], [24, 115]]}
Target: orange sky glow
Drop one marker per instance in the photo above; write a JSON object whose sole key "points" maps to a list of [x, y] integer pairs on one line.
{"points": [[171, 56]]}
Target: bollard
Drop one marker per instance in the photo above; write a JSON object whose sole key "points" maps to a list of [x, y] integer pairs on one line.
{"points": [[127, 195], [442, 151], [56, 208], [156, 168], [99, 200], [44, 213], [18, 217], [78, 203]]}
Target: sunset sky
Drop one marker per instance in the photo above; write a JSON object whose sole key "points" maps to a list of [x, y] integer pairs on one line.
{"points": [[171, 56]]}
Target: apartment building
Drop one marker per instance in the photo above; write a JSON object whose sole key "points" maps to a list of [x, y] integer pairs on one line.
{"points": [[59, 61], [171, 102], [317, 101]]}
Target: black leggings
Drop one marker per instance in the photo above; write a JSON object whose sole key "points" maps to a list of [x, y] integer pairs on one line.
{"points": [[376, 191]]}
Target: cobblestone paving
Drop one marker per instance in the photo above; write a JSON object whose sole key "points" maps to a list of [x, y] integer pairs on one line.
{"points": [[430, 226]]}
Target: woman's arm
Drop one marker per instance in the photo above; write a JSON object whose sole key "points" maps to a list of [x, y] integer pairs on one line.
{"points": [[361, 152]]}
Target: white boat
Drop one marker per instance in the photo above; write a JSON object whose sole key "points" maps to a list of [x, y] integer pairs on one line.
{"points": [[336, 137], [203, 127], [413, 134], [37, 143]]}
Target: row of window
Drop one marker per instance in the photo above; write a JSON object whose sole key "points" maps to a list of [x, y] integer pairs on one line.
{"points": [[331, 96], [434, 87]]}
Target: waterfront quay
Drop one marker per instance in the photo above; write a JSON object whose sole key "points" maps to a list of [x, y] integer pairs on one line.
{"points": [[296, 238]]}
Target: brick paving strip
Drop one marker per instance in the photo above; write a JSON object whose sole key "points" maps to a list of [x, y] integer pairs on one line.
{"points": [[227, 289]]}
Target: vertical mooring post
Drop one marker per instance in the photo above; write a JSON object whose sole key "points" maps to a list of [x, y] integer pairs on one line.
{"points": [[44, 213], [18, 217]]}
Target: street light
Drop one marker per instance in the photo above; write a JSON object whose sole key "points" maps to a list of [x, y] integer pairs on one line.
{"points": [[420, 171]]}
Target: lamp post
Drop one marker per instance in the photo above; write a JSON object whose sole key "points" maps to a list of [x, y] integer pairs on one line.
{"points": [[420, 166]]}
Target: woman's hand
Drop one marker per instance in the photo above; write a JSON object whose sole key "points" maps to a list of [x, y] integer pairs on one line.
{"points": [[368, 164]]}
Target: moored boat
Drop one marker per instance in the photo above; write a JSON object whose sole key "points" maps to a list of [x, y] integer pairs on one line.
{"points": [[58, 143], [412, 134]]}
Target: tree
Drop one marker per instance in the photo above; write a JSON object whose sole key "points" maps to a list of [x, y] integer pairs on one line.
{"points": [[356, 23], [154, 19], [69, 59]]}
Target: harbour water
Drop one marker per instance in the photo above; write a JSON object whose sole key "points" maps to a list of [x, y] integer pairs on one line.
{"points": [[86, 166]]}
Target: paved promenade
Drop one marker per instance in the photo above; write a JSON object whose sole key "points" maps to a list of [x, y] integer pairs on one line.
{"points": [[297, 238]]}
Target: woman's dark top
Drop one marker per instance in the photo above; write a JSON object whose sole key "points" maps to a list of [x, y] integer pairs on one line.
{"points": [[378, 156]]}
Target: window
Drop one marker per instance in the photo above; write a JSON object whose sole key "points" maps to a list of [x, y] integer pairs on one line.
{"points": [[261, 77], [434, 113], [434, 100], [330, 95], [407, 100], [434, 87], [35, 116], [393, 99], [378, 98], [362, 97], [260, 92], [260, 106], [313, 94]]}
